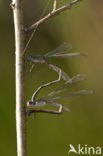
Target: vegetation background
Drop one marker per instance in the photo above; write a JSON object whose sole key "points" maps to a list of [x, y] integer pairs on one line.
{"points": [[82, 26]]}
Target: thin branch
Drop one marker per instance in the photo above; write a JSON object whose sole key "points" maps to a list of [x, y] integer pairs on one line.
{"points": [[52, 14], [17, 6]]}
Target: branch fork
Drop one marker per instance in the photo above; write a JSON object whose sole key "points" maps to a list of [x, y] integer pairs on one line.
{"points": [[54, 13]]}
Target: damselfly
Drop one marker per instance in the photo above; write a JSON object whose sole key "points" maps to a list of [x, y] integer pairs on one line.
{"points": [[59, 52], [50, 99]]}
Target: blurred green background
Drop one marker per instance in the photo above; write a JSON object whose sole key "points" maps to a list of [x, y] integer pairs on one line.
{"points": [[82, 26]]}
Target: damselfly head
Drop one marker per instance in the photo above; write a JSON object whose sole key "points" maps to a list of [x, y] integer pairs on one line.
{"points": [[30, 104], [30, 57]]}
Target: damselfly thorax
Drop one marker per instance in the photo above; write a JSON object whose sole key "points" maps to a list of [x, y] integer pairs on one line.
{"points": [[37, 103], [37, 59]]}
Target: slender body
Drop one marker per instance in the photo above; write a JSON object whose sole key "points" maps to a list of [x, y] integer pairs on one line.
{"points": [[34, 105], [59, 52]]}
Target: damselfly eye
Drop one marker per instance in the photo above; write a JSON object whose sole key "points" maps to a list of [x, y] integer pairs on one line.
{"points": [[30, 57], [30, 103]]}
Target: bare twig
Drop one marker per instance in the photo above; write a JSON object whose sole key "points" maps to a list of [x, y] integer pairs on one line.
{"points": [[52, 14], [20, 100], [31, 36]]}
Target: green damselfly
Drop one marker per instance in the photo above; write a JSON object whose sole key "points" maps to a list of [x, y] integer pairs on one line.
{"points": [[51, 98], [59, 52]]}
